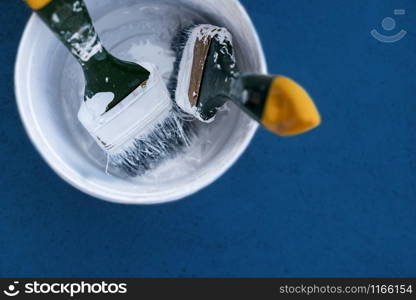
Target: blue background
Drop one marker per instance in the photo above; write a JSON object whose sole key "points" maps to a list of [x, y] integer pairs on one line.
{"points": [[339, 201]]}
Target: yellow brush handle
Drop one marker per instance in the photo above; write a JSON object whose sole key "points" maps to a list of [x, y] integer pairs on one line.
{"points": [[289, 110], [37, 4]]}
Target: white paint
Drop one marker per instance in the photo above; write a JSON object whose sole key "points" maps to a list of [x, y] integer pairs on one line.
{"points": [[77, 7], [98, 103], [163, 58], [55, 18], [83, 48]]}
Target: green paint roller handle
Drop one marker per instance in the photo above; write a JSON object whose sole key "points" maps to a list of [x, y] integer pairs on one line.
{"points": [[72, 24]]}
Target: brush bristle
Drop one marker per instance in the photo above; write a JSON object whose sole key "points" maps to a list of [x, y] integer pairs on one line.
{"points": [[164, 141]]}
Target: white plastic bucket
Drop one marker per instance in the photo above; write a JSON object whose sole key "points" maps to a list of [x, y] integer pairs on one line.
{"points": [[48, 82]]}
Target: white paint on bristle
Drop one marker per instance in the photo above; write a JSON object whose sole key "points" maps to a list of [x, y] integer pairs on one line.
{"points": [[199, 33]]}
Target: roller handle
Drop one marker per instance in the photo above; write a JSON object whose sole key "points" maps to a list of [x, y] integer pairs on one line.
{"points": [[280, 104]]}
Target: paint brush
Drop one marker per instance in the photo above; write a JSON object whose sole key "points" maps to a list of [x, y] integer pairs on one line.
{"points": [[207, 76]]}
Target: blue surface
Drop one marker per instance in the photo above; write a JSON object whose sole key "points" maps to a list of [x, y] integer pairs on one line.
{"points": [[339, 201]]}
